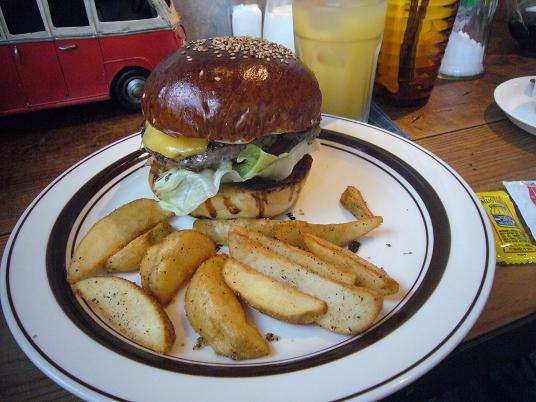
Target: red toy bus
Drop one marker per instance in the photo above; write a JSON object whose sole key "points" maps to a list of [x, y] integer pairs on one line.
{"points": [[55, 52]]}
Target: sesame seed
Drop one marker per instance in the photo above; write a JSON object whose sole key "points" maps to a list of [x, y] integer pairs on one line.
{"points": [[217, 78], [248, 47]]}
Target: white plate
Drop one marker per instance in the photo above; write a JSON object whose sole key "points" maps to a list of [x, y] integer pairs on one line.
{"points": [[435, 240], [515, 100]]}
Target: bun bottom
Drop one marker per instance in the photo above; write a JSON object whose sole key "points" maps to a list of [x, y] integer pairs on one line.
{"points": [[256, 198]]}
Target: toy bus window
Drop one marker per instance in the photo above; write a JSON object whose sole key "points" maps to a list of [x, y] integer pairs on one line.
{"points": [[70, 13], [124, 10], [22, 16]]}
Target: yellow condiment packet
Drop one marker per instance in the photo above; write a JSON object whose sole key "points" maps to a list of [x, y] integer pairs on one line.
{"points": [[512, 242]]}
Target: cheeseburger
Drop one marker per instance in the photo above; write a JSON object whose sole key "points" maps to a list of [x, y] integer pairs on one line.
{"points": [[230, 123]]}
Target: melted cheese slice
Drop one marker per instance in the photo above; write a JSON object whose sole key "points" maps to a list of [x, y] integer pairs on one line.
{"points": [[172, 147]]}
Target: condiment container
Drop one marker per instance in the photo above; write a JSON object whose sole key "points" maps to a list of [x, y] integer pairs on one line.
{"points": [[464, 56]]}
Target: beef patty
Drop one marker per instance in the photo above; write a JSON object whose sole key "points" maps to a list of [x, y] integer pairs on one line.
{"points": [[218, 152]]}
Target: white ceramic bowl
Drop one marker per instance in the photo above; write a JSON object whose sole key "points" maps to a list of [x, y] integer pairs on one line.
{"points": [[515, 99]]}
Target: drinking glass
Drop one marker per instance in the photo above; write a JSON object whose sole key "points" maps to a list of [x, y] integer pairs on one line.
{"points": [[415, 37], [278, 23], [339, 41]]}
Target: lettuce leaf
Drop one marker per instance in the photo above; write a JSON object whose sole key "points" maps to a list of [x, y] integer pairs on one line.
{"points": [[182, 191], [253, 160], [282, 167]]}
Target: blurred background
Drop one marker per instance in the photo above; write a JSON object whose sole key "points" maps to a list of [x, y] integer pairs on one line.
{"points": [[206, 18]]}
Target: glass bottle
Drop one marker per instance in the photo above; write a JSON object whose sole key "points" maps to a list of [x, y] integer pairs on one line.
{"points": [[278, 23], [464, 56], [522, 24], [246, 18]]}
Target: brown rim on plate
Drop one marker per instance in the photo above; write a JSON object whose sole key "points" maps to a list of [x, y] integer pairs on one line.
{"points": [[56, 252]]}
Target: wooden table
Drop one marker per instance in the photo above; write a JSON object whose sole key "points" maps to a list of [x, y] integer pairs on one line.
{"points": [[460, 123]]}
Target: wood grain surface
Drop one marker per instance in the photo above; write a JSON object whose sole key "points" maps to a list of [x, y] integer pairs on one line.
{"points": [[457, 105], [512, 286], [488, 154], [460, 123], [40, 146]]}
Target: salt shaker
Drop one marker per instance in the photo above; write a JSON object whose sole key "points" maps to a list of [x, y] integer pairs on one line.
{"points": [[464, 55], [278, 26]]}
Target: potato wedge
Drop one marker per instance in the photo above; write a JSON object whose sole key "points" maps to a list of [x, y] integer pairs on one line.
{"points": [[112, 233], [351, 309], [289, 231], [217, 229], [129, 257], [368, 275], [178, 256], [146, 265], [338, 233], [271, 297], [215, 313], [131, 310], [353, 201], [301, 257]]}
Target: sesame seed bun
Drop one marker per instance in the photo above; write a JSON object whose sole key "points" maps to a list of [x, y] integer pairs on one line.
{"points": [[231, 89]]}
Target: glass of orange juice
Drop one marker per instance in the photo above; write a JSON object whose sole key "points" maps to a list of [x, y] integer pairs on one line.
{"points": [[339, 40]]}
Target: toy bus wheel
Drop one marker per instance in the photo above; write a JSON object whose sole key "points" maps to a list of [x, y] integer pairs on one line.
{"points": [[128, 88]]}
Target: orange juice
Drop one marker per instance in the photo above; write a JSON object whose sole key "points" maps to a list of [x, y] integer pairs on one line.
{"points": [[339, 41]]}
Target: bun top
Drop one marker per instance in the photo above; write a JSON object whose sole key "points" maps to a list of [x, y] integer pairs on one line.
{"points": [[231, 89]]}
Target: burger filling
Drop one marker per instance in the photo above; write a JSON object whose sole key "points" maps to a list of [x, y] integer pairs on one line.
{"points": [[192, 169]]}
